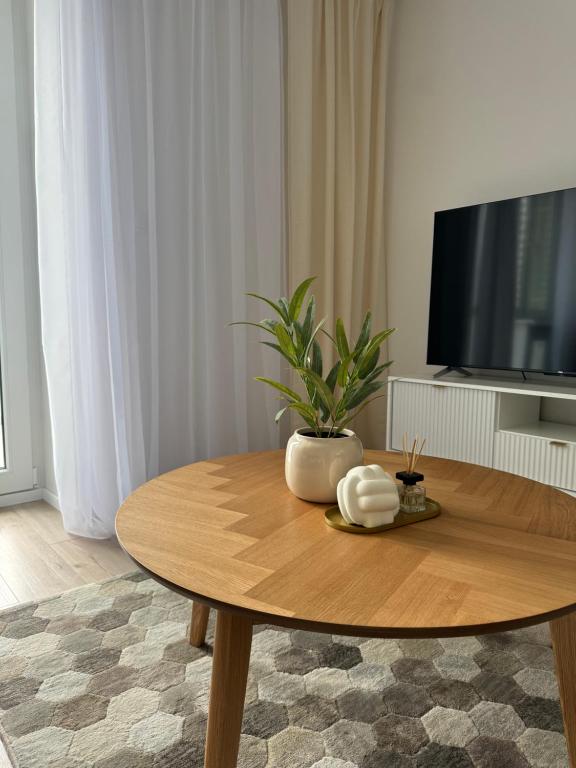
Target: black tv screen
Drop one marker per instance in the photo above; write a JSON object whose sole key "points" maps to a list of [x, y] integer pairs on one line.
{"points": [[503, 289]]}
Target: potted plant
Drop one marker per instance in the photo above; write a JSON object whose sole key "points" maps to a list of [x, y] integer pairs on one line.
{"points": [[321, 453]]}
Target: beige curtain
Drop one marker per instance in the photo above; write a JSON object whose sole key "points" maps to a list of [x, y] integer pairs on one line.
{"points": [[335, 96]]}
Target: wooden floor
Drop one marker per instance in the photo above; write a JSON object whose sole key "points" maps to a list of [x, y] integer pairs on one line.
{"points": [[39, 559]]}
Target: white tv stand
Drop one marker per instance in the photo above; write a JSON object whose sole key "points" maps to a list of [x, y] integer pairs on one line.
{"points": [[525, 428]]}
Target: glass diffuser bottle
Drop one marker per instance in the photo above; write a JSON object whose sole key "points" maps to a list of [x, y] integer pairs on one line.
{"points": [[412, 496]]}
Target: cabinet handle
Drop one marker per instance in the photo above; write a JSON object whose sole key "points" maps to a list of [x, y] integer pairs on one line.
{"points": [[559, 443], [439, 386]]}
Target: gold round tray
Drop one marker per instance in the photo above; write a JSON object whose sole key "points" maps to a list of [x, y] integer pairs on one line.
{"points": [[333, 518]]}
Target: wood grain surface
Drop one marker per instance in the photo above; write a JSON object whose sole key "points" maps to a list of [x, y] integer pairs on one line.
{"points": [[229, 533], [564, 639], [199, 624], [230, 664], [38, 559]]}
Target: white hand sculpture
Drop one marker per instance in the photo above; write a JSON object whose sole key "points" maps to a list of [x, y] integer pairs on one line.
{"points": [[368, 496]]}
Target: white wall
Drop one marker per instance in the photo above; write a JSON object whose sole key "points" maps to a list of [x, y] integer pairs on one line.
{"points": [[482, 106]]}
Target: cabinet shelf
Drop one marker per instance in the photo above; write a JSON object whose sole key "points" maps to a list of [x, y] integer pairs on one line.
{"points": [[548, 430]]}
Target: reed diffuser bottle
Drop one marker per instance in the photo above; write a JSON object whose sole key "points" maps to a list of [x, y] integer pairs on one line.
{"points": [[412, 496]]}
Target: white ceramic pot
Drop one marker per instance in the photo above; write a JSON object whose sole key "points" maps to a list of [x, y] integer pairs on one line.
{"points": [[315, 465]]}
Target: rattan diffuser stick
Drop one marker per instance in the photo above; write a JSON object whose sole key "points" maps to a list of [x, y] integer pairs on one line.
{"points": [[411, 457]]}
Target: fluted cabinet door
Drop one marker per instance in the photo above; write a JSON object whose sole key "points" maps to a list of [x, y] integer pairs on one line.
{"points": [[457, 422], [548, 461]]}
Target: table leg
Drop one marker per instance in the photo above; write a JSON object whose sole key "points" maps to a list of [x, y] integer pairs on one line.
{"points": [[199, 623], [230, 663], [564, 640]]}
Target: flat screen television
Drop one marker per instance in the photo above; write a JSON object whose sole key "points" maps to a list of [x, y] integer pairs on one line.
{"points": [[503, 292]]}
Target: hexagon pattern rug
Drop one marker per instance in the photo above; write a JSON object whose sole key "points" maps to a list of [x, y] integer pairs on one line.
{"points": [[103, 677]]}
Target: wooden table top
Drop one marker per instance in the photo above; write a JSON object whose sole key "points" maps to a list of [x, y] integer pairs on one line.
{"points": [[228, 532]]}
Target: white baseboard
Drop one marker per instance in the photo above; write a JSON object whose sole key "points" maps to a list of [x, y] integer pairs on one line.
{"points": [[22, 497], [51, 498], [34, 494]]}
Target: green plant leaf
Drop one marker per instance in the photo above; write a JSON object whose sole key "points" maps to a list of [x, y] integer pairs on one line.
{"points": [[343, 371], [332, 377], [377, 371], [283, 303], [256, 325], [278, 349], [314, 396], [293, 396], [309, 320], [325, 414], [377, 340], [340, 410], [286, 343], [362, 392], [280, 413], [316, 362], [269, 325], [300, 343], [322, 389], [332, 339], [316, 402], [298, 297], [364, 337], [315, 332], [341, 340], [352, 416], [275, 307], [367, 363], [307, 412]]}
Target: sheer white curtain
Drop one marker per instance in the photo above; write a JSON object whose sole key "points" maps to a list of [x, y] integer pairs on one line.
{"points": [[159, 164]]}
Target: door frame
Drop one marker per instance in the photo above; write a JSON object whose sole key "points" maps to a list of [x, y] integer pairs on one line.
{"points": [[14, 336]]}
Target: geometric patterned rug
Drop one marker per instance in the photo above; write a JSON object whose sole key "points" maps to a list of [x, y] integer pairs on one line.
{"points": [[103, 677]]}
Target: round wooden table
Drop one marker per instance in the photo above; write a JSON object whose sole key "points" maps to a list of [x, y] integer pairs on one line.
{"points": [[229, 534]]}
